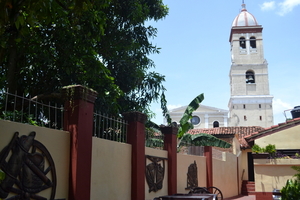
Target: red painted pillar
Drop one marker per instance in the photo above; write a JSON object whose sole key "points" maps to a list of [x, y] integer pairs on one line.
{"points": [[78, 120], [209, 166], [136, 137], [170, 144]]}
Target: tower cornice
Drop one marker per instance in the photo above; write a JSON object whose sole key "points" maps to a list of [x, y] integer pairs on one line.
{"points": [[245, 29]]}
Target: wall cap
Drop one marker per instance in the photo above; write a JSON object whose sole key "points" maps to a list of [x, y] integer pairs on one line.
{"points": [[73, 92], [135, 116]]}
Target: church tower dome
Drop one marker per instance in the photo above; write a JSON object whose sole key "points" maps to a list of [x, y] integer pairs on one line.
{"points": [[244, 18]]}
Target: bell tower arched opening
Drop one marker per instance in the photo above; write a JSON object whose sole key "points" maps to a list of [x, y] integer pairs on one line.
{"points": [[250, 77]]}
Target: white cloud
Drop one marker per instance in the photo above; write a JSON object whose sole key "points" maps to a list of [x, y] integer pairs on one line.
{"points": [[268, 5], [279, 106], [287, 6], [281, 111]]}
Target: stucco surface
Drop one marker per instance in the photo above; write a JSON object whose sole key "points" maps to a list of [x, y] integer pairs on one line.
{"points": [[56, 142]]}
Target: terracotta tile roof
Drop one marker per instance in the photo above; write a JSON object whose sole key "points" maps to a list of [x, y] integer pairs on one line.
{"points": [[272, 129], [241, 131], [247, 134]]}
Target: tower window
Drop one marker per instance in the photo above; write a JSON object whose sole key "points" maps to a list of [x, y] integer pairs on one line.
{"points": [[260, 118], [245, 118], [216, 124], [242, 43], [253, 42], [259, 105], [244, 106], [250, 77]]}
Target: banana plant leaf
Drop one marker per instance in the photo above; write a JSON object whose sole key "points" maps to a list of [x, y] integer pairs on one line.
{"points": [[203, 139], [2, 176], [185, 124]]}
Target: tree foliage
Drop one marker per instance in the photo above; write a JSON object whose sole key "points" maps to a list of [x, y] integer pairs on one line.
{"points": [[102, 44], [291, 190]]}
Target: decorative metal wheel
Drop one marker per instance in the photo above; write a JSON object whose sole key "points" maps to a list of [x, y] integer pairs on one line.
{"points": [[199, 190], [29, 170], [216, 191]]}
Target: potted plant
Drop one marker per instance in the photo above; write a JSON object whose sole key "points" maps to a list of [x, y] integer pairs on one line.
{"points": [[260, 153]]}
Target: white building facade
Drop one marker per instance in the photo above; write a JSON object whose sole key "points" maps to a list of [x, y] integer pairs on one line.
{"points": [[203, 117]]}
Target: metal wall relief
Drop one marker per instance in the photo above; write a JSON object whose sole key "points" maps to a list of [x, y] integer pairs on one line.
{"points": [[155, 173], [192, 176], [29, 169]]}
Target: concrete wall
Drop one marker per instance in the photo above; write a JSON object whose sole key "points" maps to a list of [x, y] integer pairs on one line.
{"points": [[111, 170], [111, 165], [273, 173], [183, 162], [225, 175], [284, 139], [57, 143], [164, 191]]}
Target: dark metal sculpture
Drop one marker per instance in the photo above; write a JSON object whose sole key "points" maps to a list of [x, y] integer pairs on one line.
{"points": [[192, 176], [155, 173], [29, 169]]}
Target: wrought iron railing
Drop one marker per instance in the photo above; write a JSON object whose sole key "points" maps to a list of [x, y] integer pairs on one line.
{"points": [[25, 109], [110, 128]]}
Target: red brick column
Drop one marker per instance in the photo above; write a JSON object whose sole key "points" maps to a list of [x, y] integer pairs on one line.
{"points": [[170, 144], [209, 166], [136, 137], [78, 120]]}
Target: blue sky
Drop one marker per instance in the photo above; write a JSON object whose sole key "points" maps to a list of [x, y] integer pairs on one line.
{"points": [[195, 51]]}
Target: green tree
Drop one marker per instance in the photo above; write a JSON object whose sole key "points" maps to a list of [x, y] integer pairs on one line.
{"points": [[104, 45]]}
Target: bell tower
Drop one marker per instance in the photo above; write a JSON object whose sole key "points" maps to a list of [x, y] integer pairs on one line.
{"points": [[250, 102]]}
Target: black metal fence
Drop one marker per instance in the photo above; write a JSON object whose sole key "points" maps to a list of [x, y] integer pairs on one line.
{"points": [[25, 109], [110, 128]]}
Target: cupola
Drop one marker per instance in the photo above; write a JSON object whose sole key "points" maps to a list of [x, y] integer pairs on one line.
{"points": [[244, 18]]}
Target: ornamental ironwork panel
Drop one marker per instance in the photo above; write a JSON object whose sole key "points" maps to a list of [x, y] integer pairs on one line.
{"points": [[192, 176], [155, 172], [29, 169]]}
